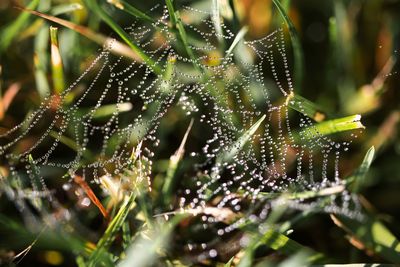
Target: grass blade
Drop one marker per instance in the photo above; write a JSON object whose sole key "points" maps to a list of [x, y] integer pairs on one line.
{"points": [[372, 235], [125, 6], [237, 39], [89, 192], [109, 235], [144, 251], [117, 47], [172, 167], [125, 36], [279, 242], [305, 107], [40, 60], [356, 179], [333, 126], [108, 110], [216, 18], [13, 29], [177, 24], [65, 8], [227, 156], [35, 182], [56, 62], [297, 49]]}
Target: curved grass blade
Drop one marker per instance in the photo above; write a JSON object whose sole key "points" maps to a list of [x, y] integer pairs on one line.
{"points": [[306, 107], [65, 8], [355, 180], [125, 6], [172, 167], [216, 18], [297, 49], [116, 47], [110, 233], [333, 126], [40, 60], [56, 62], [279, 242], [143, 252], [125, 36], [372, 234], [228, 155], [13, 29]]}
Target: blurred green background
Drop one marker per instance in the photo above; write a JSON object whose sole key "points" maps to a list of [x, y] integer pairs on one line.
{"points": [[350, 49]]}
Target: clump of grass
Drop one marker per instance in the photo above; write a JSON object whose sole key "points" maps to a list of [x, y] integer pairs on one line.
{"points": [[139, 228]]}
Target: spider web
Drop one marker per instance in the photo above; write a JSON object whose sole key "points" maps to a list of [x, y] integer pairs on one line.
{"points": [[120, 108]]}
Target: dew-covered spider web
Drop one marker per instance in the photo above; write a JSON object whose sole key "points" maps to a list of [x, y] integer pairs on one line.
{"points": [[247, 151]]}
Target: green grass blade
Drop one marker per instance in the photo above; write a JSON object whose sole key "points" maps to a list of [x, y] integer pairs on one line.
{"points": [[117, 47], [144, 251], [356, 179], [65, 8], [297, 49], [40, 60], [216, 19], [333, 126], [229, 263], [284, 244], [126, 235], [178, 24], [236, 41], [279, 242], [227, 155], [108, 110], [305, 107], [125, 36], [373, 234], [35, 182], [125, 6], [56, 62], [109, 235], [173, 166], [14, 28]]}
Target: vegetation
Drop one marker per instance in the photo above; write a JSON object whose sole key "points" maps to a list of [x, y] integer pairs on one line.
{"points": [[173, 134]]}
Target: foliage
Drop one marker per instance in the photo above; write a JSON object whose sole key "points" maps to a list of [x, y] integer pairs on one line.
{"points": [[134, 217]]}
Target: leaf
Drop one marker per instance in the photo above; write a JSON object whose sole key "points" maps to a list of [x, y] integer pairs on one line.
{"points": [[373, 235]]}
